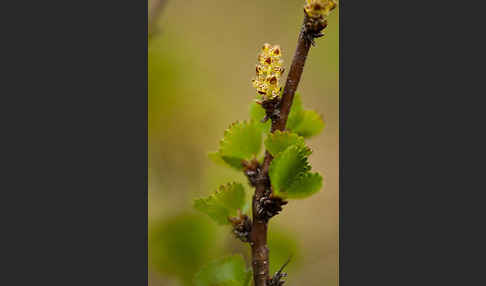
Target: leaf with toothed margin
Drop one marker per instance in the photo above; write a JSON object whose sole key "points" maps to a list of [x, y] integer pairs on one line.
{"points": [[279, 141], [304, 186], [257, 113], [223, 203], [287, 166], [226, 271], [311, 124], [216, 158], [241, 141], [290, 176], [306, 123], [225, 161]]}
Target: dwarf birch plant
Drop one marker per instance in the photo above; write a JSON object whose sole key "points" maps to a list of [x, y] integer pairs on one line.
{"points": [[278, 119]]}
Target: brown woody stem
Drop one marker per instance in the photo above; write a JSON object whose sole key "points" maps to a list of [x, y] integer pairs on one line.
{"points": [[258, 235], [258, 241]]}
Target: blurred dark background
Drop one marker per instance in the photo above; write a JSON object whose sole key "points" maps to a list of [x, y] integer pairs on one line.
{"points": [[202, 56]]}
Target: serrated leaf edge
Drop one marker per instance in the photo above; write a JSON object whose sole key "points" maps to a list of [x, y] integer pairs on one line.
{"points": [[299, 123], [301, 152], [298, 180], [228, 132], [214, 196], [277, 133]]}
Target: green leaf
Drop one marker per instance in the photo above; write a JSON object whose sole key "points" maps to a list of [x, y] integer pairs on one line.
{"points": [[257, 113], [216, 158], [290, 176], [213, 209], [304, 186], [295, 115], [223, 203], [279, 141], [306, 123], [287, 166], [241, 141], [232, 196], [225, 161], [227, 271], [311, 124]]}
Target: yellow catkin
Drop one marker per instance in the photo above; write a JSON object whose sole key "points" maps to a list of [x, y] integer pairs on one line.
{"points": [[269, 71]]}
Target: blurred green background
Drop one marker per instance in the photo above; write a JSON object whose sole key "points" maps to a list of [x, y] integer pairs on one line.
{"points": [[201, 61]]}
